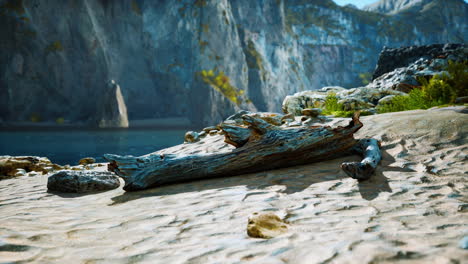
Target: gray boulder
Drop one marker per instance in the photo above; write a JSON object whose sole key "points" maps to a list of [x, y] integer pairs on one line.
{"points": [[69, 181]]}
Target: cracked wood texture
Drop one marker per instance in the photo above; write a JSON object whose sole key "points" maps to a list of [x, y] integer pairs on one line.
{"points": [[267, 147]]}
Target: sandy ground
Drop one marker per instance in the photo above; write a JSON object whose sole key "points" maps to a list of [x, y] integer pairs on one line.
{"points": [[414, 210]]}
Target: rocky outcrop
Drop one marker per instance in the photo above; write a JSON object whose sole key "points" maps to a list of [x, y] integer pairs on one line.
{"points": [[158, 50], [18, 166], [393, 58], [397, 73], [393, 6], [112, 111], [70, 181]]}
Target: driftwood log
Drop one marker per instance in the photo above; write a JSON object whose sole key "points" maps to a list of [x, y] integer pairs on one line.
{"points": [[259, 146]]}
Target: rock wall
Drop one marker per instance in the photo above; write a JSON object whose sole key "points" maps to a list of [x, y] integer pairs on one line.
{"points": [[56, 55]]}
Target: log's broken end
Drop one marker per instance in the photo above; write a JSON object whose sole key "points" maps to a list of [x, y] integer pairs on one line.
{"points": [[358, 170], [370, 150]]}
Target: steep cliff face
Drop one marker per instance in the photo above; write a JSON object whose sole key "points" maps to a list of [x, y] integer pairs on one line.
{"points": [[200, 59]]}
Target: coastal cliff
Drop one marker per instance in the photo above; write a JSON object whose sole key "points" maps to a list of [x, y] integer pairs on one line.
{"points": [[200, 59]]}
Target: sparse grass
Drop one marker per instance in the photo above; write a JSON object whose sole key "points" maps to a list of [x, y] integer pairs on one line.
{"points": [[55, 46], [439, 90], [332, 107], [221, 83]]}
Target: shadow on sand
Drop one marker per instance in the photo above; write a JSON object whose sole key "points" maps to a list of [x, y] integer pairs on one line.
{"points": [[294, 179]]}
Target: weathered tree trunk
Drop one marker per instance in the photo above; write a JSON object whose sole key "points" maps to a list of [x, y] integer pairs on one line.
{"points": [[370, 149], [259, 146]]}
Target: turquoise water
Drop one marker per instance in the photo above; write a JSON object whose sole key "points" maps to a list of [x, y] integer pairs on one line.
{"points": [[68, 146]]}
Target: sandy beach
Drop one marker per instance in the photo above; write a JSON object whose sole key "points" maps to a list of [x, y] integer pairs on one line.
{"points": [[414, 210]]}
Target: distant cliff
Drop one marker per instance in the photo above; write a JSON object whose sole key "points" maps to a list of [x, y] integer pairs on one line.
{"points": [[200, 59]]}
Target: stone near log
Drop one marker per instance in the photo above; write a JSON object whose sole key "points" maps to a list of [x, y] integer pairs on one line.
{"points": [[9, 165], [112, 111], [312, 112], [265, 225], [191, 137], [87, 161], [69, 181]]}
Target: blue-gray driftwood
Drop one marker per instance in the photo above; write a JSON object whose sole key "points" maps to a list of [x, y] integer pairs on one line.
{"points": [[370, 149], [259, 146]]}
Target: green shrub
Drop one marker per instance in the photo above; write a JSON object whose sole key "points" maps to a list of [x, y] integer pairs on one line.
{"points": [[439, 90], [332, 107]]}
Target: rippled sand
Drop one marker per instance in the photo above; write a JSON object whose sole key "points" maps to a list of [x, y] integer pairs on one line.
{"points": [[415, 209]]}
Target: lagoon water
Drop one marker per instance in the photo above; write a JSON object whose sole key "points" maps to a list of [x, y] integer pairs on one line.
{"points": [[69, 146]]}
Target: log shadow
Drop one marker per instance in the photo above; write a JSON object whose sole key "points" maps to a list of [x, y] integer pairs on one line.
{"points": [[292, 180], [370, 189]]}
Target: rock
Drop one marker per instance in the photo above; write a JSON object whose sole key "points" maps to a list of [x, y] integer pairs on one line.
{"points": [[312, 112], [112, 111], [393, 58], [265, 225], [20, 172], [386, 99], [210, 128], [463, 244], [350, 104], [334, 89], [86, 161], [272, 118], [202, 134], [461, 100], [9, 165], [69, 181], [33, 173], [463, 208], [191, 137], [294, 104]]}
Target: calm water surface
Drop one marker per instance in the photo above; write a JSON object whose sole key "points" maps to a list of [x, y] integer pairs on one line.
{"points": [[68, 146]]}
